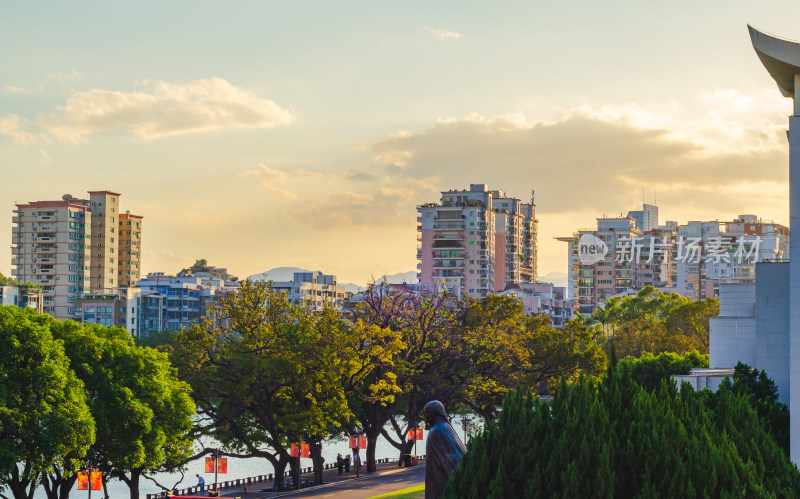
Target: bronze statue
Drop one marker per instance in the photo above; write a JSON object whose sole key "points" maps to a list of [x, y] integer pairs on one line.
{"points": [[444, 450]]}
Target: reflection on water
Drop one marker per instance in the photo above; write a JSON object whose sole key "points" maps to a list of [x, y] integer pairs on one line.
{"points": [[237, 468]]}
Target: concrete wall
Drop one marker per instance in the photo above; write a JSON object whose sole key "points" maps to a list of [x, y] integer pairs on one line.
{"points": [[772, 324], [732, 335]]}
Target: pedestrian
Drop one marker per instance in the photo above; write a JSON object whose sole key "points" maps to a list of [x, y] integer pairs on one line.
{"points": [[347, 464], [200, 483], [339, 462]]}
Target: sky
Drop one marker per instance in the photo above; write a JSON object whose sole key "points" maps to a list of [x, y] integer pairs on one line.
{"points": [[304, 133]]}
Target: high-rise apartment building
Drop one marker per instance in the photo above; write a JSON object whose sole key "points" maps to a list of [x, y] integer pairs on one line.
{"points": [[130, 249], [613, 259], [646, 219], [69, 247], [476, 241]]}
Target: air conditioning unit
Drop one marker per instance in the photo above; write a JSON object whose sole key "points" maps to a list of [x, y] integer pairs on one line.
{"points": [[56, 278], [35, 213]]}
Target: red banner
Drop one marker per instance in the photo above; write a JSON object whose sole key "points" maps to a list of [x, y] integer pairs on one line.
{"points": [[419, 433], [305, 450], [209, 465], [353, 443], [295, 450], [97, 480], [410, 435], [222, 465], [83, 481], [362, 442]]}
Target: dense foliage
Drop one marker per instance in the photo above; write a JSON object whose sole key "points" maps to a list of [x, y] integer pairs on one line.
{"points": [[66, 391], [266, 373], [655, 322], [649, 370], [617, 439]]}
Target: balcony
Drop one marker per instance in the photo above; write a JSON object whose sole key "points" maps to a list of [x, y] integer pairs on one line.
{"points": [[441, 265], [448, 226], [15, 220], [450, 237]]}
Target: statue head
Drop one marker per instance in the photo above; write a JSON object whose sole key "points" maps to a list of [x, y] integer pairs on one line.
{"points": [[434, 410]]}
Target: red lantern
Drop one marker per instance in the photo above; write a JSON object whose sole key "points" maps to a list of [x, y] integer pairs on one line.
{"points": [[83, 481], [97, 480]]}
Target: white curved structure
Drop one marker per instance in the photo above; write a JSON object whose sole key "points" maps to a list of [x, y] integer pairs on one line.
{"points": [[781, 58]]}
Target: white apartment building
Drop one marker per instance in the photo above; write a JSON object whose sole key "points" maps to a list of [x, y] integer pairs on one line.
{"points": [[542, 298], [707, 254], [475, 242], [315, 288]]}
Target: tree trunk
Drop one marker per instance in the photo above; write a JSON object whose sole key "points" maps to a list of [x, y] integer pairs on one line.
{"points": [[280, 469], [133, 485], [295, 468], [372, 439], [406, 448], [59, 487], [319, 462]]}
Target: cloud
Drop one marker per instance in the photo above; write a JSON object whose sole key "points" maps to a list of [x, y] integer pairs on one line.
{"points": [[269, 178], [596, 159], [162, 109], [442, 34], [12, 126], [72, 74], [14, 90]]}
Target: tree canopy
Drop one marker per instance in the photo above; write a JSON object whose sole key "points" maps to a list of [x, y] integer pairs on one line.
{"points": [[617, 439], [44, 417], [655, 322]]}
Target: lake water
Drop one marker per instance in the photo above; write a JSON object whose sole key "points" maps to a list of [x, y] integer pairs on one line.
{"points": [[237, 468]]}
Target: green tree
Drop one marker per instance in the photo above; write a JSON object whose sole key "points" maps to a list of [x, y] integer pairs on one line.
{"points": [[44, 417], [655, 322], [161, 340], [5, 281], [131, 387], [268, 373], [617, 439], [649, 370]]}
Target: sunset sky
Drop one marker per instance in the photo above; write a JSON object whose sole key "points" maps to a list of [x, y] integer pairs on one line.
{"points": [[296, 133]]}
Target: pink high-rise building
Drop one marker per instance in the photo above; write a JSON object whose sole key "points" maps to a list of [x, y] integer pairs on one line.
{"points": [[476, 241]]}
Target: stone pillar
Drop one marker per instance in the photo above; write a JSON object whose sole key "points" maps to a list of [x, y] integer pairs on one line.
{"points": [[794, 278]]}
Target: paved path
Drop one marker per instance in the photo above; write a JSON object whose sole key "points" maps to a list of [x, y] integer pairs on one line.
{"points": [[364, 487], [387, 478]]}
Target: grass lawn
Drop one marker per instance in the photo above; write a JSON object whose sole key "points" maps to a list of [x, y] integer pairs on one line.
{"points": [[417, 492]]}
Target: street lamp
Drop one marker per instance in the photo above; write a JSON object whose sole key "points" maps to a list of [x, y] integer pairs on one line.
{"points": [[465, 427], [358, 433]]}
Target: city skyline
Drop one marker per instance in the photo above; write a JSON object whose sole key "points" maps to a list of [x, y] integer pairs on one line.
{"points": [[304, 134]]}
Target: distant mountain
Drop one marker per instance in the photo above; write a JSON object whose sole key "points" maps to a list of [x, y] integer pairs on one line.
{"points": [[403, 277], [277, 274], [557, 278]]}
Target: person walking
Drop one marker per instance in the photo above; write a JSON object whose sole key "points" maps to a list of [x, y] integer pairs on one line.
{"points": [[339, 462], [347, 464], [201, 483]]}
